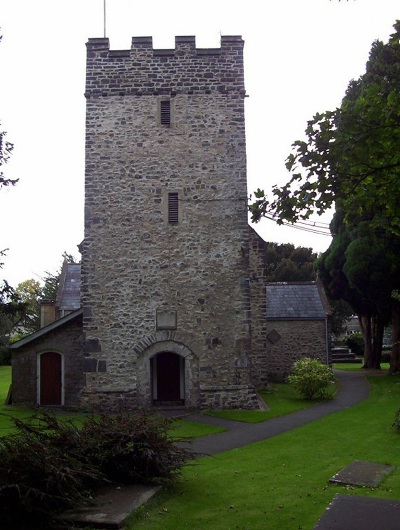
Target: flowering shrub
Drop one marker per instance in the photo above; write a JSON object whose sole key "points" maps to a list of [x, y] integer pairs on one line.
{"points": [[312, 379]]}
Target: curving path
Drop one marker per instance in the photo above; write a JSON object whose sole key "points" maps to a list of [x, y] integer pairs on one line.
{"points": [[353, 388]]}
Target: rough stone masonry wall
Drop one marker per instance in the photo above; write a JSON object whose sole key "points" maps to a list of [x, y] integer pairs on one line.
{"points": [[134, 263], [259, 368], [290, 340]]}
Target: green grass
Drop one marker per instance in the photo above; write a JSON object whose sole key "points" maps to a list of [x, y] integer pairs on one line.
{"points": [[5, 379], [283, 483], [280, 398], [357, 366], [8, 411], [192, 429]]}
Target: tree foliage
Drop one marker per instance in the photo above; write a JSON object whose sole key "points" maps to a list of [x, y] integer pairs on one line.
{"points": [[9, 301], [351, 156], [361, 267], [6, 149], [30, 294], [287, 263], [11, 306]]}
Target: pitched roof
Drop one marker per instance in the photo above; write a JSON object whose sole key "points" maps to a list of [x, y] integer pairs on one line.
{"points": [[295, 301], [42, 331], [69, 290]]}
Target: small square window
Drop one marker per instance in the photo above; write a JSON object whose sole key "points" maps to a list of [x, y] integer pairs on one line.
{"points": [[165, 113]]}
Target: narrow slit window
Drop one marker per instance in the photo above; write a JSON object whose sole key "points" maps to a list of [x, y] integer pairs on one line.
{"points": [[173, 208], [165, 113]]}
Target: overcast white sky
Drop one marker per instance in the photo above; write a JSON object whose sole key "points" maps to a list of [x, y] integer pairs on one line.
{"points": [[299, 57]]}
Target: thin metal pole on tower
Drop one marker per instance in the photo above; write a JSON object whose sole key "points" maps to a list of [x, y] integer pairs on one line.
{"points": [[104, 6]]}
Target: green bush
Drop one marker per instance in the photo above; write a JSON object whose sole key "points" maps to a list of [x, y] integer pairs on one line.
{"points": [[355, 342], [49, 466], [312, 379], [133, 448]]}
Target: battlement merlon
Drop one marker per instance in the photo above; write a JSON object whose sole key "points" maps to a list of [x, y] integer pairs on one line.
{"points": [[144, 70], [228, 42]]}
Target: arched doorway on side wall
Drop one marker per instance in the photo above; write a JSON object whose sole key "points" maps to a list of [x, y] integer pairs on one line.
{"points": [[168, 378], [50, 388]]}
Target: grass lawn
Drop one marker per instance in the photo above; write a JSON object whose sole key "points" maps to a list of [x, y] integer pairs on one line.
{"points": [[5, 378], [282, 483], [280, 398], [192, 429], [357, 366], [6, 411]]}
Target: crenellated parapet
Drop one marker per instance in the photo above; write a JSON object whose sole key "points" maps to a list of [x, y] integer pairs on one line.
{"points": [[143, 70]]}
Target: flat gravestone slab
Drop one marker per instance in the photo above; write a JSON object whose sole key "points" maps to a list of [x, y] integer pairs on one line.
{"points": [[112, 506], [351, 512], [360, 473]]}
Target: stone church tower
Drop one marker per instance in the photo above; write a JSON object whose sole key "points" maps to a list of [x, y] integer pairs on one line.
{"points": [[165, 260]]}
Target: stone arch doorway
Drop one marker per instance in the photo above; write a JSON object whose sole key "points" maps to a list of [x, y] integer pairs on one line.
{"points": [[168, 378], [50, 387], [172, 342]]}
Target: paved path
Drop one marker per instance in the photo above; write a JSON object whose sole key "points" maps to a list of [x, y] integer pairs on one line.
{"points": [[353, 388]]}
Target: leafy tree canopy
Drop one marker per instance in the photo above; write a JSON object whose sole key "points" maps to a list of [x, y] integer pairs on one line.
{"points": [[29, 293], [287, 263], [362, 268], [351, 156]]}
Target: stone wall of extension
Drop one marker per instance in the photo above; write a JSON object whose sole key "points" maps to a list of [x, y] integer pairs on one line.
{"points": [[289, 340], [150, 285]]}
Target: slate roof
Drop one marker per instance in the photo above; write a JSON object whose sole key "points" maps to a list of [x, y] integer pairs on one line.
{"points": [[295, 301], [69, 290]]}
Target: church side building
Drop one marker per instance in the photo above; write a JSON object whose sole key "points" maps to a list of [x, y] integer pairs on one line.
{"points": [[165, 259]]}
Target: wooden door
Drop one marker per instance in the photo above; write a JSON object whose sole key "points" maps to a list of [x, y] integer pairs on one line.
{"points": [[168, 378], [50, 379]]}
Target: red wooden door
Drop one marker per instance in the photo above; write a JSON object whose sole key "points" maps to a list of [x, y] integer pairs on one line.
{"points": [[168, 376], [50, 378]]}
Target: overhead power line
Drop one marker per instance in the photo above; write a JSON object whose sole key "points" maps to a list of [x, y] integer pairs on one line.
{"points": [[315, 227]]}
